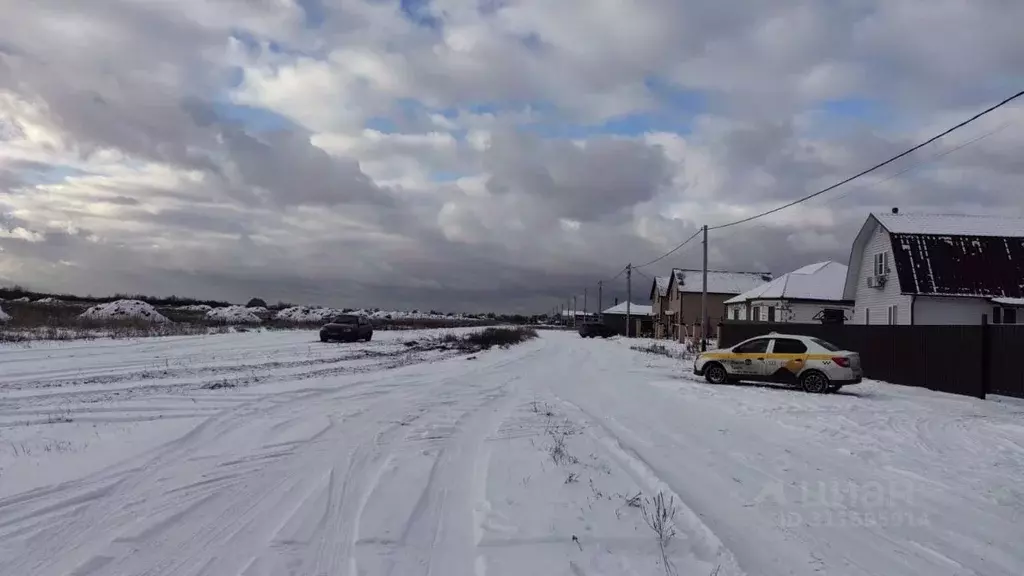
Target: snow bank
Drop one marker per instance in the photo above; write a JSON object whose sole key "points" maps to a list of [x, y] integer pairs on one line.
{"points": [[123, 310], [305, 314], [195, 308], [50, 301], [233, 315], [22, 299], [4, 316]]}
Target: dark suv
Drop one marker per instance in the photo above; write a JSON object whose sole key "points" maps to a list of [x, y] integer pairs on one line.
{"points": [[595, 329], [348, 328]]}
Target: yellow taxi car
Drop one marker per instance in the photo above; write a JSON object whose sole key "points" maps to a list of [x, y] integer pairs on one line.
{"points": [[813, 364]]}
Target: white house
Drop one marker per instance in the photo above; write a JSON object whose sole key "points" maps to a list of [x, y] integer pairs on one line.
{"points": [[937, 269], [801, 296]]}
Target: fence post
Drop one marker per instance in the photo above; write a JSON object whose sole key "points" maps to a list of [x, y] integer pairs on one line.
{"points": [[986, 351]]}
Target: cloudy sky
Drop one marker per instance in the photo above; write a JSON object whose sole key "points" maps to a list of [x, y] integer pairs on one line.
{"points": [[479, 154]]}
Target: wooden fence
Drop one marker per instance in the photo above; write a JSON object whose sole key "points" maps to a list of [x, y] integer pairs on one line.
{"points": [[968, 360]]}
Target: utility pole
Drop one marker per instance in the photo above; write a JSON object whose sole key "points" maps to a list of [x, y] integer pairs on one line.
{"points": [[629, 295], [584, 304], [600, 288], [574, 311], [704, 298]]}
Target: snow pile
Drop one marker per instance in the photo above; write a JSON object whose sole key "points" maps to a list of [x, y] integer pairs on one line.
{"points": [[50, 301], [233, 315], [195, 308], [22, 299], [4, 316], [123, 310], [258, 310], [306, 314]]}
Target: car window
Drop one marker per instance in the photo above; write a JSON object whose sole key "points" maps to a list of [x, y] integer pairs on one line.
{"points": [[345, 320], [826, 345], [788, 346], [753, 347]]}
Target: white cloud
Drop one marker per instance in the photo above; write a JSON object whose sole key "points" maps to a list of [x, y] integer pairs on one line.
{"points": [[455, 165]]}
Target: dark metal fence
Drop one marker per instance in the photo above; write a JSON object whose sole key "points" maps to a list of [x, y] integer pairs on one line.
{"points": [[968, 360]]}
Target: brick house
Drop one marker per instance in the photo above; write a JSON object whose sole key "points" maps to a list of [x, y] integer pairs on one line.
{"points": [[685, 288], [660, 307]]}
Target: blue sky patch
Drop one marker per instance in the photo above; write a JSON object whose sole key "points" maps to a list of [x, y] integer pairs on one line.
{"points": [[253, 118], [863, 109], [315, 12], [382, 124], [51, 174], [420, 13], [446, 176]]}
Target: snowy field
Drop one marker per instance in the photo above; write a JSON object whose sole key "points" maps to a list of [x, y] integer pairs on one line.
{"points": [[271, 454]]}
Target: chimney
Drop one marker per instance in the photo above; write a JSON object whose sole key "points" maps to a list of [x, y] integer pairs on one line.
{"points": [[616, 301], [895, 210]]}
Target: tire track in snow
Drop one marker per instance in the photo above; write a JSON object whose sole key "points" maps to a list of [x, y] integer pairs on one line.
{"points": [[440, 536], [705, 544], [97, 532]]}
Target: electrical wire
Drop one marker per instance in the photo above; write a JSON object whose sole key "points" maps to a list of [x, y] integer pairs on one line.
{"points": [[875, 167], [670, 252], [616, 276], [928, 160], [851, 179]]}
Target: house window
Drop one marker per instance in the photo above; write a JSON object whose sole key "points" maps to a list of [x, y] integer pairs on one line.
{"points": [[893, 317], [755, 314], [881, 263], [771, 313], [867, 315], [1004, 315], [735, 314]]}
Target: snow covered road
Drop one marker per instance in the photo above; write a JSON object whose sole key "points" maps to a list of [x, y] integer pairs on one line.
{"points": [[126, 458]]}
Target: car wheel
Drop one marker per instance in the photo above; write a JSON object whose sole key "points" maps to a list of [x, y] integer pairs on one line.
{"points": [[815, 382], [369, 336], [716, 374], [323, 338]]}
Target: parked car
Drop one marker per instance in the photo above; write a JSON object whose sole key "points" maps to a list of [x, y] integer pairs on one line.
{"points": [[813, 364], [348, 328], [595, 329]]}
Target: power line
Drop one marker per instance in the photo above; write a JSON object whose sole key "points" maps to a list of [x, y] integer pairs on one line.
{"points": [[617, 275], [928, 160], [642, 274], [670, 252], [875, 167]]}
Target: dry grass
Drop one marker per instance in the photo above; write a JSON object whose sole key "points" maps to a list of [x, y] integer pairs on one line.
{"points": [[659, 516]]}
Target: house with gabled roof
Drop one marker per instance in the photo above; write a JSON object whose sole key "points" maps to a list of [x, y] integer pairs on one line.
{"points": [[660, 307], [937, 269], [685, 291], [806, 295], [628, 319]]}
